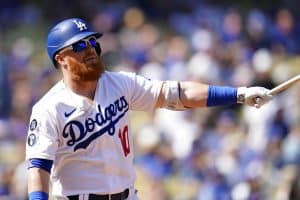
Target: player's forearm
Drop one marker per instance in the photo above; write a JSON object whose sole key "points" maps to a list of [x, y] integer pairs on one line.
{"points": [[193, 94], [186, 94], [38, 180]]}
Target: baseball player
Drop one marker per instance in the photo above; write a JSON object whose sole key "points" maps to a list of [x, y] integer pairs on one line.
{"points": [[79, 137]]}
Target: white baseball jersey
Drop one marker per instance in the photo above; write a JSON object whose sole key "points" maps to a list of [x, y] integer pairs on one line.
{"points": [[90, 141]]}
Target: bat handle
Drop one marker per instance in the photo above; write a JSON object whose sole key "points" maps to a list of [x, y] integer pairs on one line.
{"points": [[257, 100]]}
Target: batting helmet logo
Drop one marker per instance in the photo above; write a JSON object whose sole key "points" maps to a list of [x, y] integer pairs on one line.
{"points": [[66, 33], [80, 25]]}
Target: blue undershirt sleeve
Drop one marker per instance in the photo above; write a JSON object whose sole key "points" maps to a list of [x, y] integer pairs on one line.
{"points": [[40, 163], [38, 195]]}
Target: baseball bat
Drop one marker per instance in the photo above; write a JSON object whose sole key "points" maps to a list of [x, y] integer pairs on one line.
{"points": [[285, 85]]}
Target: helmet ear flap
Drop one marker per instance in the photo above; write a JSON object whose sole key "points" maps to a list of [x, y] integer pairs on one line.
{"points": [[98, 49]]}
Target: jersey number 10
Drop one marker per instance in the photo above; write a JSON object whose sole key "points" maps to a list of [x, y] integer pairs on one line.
{"points": [[124, 138]]}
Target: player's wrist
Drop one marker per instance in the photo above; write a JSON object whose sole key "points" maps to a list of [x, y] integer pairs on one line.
{"points": [[241, 95]]}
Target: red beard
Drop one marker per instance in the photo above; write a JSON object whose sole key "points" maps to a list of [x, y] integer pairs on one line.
{"points": [[86, 71]]}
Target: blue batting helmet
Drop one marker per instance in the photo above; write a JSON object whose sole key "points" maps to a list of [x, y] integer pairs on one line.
{"points": [[66, 33]]}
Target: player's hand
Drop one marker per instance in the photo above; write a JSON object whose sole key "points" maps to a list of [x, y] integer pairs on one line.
{"points": [[254, 96]]}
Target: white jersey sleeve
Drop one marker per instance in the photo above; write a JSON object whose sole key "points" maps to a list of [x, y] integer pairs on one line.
{"points": [[42, 141], [142, 93]]}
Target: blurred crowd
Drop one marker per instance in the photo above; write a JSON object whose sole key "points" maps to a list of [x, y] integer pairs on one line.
{"points": [[222, 153]]}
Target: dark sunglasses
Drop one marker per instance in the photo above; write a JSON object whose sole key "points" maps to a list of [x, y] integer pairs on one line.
{"points": [[82, 44]]}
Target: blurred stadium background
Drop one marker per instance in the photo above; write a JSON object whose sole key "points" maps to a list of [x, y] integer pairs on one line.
{"points": [[225, 153]]}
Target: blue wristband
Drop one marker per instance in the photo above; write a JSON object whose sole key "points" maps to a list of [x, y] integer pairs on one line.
{"points": [[38, 195], [220, 95]]}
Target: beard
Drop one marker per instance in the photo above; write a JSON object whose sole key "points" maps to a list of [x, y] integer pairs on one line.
{"points": [[87, 70]]}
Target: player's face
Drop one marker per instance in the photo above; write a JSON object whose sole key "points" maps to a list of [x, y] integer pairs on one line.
{"points": [[83, 65]]}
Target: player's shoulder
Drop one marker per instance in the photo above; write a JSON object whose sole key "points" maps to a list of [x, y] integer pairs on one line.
{"points": [[119, 74], [124, 78], [50, 99]]}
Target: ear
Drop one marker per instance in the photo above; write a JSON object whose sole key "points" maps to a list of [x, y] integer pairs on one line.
{"points": [[60, 60]]}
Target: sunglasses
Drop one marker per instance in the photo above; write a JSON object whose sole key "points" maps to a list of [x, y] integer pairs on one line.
{"points": [[82, 44]]}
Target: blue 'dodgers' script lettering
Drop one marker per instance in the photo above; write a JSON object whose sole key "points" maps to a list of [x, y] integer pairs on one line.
{"points": [[78, 131]]}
